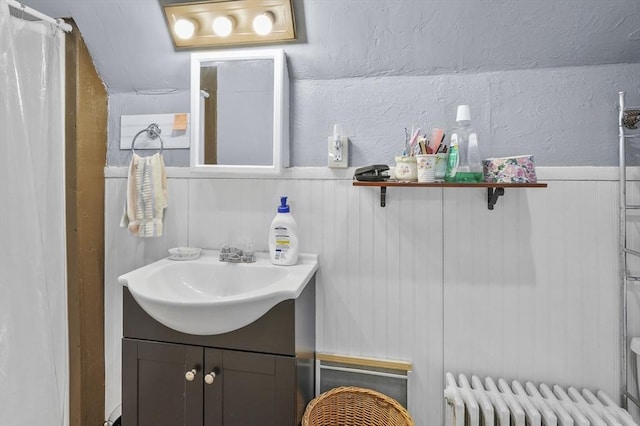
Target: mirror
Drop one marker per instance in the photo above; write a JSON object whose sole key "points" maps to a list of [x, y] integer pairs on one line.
{"points": [[239, 112]]}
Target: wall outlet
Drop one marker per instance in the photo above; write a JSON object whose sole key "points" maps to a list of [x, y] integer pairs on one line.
{"points": [[338, 157]]}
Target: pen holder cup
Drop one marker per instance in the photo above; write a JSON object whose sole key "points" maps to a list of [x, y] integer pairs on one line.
{"points": [[426, 164], [441, 166], [406, 168]]}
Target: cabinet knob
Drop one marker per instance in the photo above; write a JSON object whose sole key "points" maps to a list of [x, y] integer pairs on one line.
{"points": [[190, 375], [210, 378]]}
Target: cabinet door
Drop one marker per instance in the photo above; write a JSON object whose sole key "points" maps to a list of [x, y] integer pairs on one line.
{"points": [[155, 390], [249, 389]]}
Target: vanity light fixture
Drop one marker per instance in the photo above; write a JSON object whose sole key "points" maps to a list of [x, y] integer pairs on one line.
{"points": [[230, 22], [223, 25], [184, 29], [263, 23]]}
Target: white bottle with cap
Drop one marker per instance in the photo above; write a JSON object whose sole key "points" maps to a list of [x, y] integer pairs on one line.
{"points": [[464, 163], [283, 236]]}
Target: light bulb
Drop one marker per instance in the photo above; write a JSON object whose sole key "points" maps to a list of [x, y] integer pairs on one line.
{"points": [[223, 25], [263, 23], [184, 28]]}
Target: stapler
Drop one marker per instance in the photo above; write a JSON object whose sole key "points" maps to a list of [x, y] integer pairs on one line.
{"points": [[375, 173]]}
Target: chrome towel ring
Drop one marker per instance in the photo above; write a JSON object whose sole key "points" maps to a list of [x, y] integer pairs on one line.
{"points": [[153, 133]]}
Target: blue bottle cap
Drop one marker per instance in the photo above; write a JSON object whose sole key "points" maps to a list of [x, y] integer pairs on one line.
{"points": [[283, 207]]}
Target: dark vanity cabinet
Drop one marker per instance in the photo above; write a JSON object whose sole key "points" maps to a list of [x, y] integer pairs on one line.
{"points": [[261, 374], [155, 390]]}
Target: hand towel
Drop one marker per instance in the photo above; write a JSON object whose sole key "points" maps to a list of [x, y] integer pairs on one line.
{"points": [[146, 196]]}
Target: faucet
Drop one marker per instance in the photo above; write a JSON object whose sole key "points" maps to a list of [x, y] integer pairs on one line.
{"points": [[236, 255]]}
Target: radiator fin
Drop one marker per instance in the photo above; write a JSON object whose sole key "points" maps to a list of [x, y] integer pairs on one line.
{"points": [[474, 403]]}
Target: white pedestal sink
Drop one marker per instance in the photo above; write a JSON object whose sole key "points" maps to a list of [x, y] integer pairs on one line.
{"points": [[206, 296]]}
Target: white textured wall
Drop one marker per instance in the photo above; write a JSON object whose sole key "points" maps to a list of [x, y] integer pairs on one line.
{"points": [[563, 116], [355, 38], [143, 103], [528, 291], [541, 75]]}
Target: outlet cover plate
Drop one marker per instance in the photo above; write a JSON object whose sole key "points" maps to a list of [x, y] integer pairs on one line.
{"points": [[342, 164]]}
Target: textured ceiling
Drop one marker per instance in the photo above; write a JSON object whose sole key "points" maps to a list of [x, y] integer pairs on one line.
{"points": [[131, 48]]}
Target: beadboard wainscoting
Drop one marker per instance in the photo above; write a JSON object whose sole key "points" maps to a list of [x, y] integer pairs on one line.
{"points": [[528, 291]]}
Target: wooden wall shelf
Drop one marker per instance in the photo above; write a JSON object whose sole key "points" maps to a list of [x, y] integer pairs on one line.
{"points": [[494, 190]]}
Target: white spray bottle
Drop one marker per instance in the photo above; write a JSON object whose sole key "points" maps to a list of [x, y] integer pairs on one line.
{"points": [[283, 236]]}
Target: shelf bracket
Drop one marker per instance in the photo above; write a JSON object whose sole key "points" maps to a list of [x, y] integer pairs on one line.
{"points": [[492, 196], [383, 196]]}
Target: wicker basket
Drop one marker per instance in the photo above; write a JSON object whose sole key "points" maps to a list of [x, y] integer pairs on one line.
{"points": [[353, 406]]}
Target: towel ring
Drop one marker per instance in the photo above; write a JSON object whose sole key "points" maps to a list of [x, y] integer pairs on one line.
{"points": [[153, 133]]}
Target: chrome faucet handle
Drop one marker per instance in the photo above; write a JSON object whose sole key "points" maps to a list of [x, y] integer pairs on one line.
{"points": [[230, 254], [249, 255], [225, 248], [236, 255]]}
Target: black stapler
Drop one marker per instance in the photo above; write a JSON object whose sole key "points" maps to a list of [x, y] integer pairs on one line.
{"points": [[375, 173]]}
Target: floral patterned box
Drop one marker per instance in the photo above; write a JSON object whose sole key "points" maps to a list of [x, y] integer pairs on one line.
{"points": [[520, 169]]}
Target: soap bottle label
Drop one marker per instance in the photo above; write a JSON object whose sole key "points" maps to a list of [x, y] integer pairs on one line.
{"points": [[283, 242]]}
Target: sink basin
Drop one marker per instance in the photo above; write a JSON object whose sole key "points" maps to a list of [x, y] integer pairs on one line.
{"points": [[206, 296]]}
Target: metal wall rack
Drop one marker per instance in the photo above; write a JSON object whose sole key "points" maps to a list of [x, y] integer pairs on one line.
{"points": [[628, 118]]}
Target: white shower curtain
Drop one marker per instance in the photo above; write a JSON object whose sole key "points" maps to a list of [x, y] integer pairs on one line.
{"points": [[33, 310]]}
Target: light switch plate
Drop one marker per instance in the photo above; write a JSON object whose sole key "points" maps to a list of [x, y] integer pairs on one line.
{"points": [[344, 162]]}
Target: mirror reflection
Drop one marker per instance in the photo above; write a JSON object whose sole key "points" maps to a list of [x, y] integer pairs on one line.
{"points": [[237, 111], [239, 104]]}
